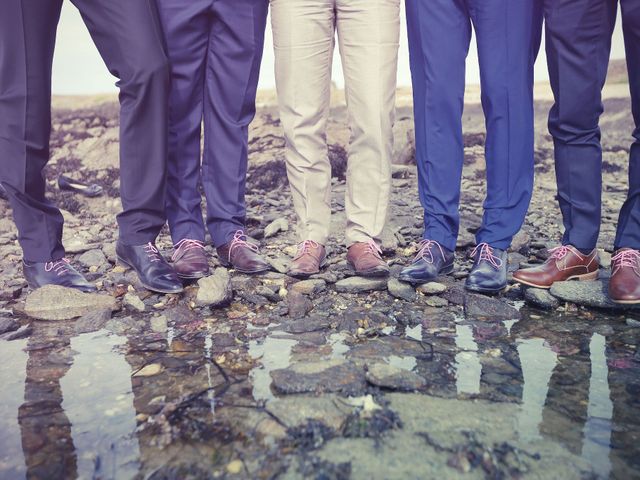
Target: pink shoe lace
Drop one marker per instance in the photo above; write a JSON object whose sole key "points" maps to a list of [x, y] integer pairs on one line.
{"points": [[240, 241], [625, 258], [152, 252], [61, 267], [560, 252], [486, 255], [305, 248], [185, 245], [374, 249], [425, 252]]}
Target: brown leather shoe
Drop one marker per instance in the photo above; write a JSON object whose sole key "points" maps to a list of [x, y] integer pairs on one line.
{"points": [[189, 259], [366, 259], [565, 263], [624, 286], [242, 256], [309, 259]]}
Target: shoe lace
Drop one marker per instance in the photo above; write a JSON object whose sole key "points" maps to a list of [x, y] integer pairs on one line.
{"points": [[485, 252], [425, 253], [185, 245], [560, 252], [240, 241], [626, 258], [305, 248], [374, 249], [152, 252], [61, 267]]}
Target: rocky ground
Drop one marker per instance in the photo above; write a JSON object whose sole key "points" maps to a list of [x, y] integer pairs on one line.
{"points": [[332, 377]]}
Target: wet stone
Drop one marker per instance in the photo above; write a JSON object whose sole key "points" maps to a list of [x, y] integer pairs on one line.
{"points": [[299, 304], [437, 302], [401, 290], [632, 322], [388, 376], [53, 302], [432, 288], [319, 377], [361, 285], [215, 290], [541, 298], [309, 287], [93, 321], [8, 325], [588, 294], [313, 323], [92, 258], [22, 332], [480, 307]]}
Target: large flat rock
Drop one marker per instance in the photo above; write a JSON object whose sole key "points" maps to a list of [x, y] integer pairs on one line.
{"points": [[588, 294], [53, 302], [319, 377]]}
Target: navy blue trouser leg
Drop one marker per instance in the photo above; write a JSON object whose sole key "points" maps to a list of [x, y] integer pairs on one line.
{"points": [[629, 222], [128, 36], [216, 50], [507, 36], [578, 43]]}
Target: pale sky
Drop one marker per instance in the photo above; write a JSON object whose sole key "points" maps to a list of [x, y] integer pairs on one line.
{"points": [[78, 68]]}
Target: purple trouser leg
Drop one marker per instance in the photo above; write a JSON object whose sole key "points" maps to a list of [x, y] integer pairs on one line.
{"points": [[128, 36], [215, 47]]}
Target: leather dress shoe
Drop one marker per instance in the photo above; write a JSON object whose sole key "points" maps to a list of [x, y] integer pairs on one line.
{"points": [[59, 272], [624, 286], [565, 263], [189, 259], [242, 255], [432, 260], [154, 272], [366, 259], [489, 271], [309, 260]]}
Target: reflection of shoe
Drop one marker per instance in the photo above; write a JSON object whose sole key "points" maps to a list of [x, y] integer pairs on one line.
{"points": [[59, 272], [432, 260], [565, 263], [489, 271], [242, 255], [624, 286], [308, 261], [366, 259], [189, 259], [154, 272], [66, 183]]}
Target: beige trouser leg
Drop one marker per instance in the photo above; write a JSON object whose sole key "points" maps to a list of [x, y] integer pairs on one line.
{"points": [[369, 36], [368, 31]]}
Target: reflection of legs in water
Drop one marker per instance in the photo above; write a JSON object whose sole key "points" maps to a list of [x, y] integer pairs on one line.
{"points": [[501, 377], [46, 431], [624, 385], [568, 395]]}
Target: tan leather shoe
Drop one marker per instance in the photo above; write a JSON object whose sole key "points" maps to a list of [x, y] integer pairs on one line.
{"points": [[366, 259], [242, 255], [189, 259], [624, 286], [309, 259], [565, 263]]}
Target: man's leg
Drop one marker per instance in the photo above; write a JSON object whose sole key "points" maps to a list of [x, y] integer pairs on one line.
{"points": [[303, 37], [629, 222], [578, 43], [439, 36], [27, 39], [186, 28], [507, 32], [234, 57], [369, 36], [130, 39]]}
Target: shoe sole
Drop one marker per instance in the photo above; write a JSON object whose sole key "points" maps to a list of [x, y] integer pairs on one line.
{"points": [[305, 275], [246, 272], [371, 273], [191, 277], [626, 302], [585, 277], [488, 291], [121, 262], [413, 281]]}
